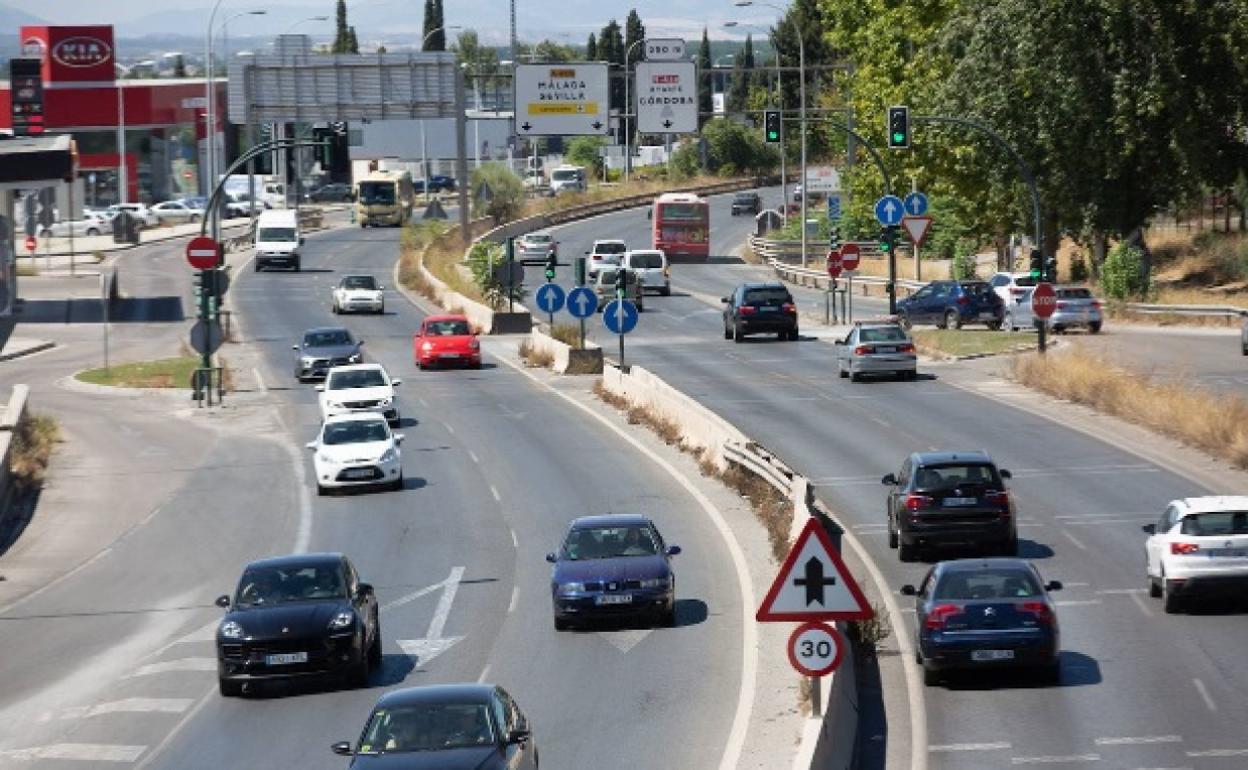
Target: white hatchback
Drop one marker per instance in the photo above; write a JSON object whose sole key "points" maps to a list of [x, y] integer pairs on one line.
{"points": [[357, 450], [1199, 546], [359, 388], [651, 266]]}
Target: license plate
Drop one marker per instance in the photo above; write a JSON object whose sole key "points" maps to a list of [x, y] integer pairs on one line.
{"points": [[886, 350], [961, 500], [986, 316], [286, 658], [358, 473], [448, 355], [1228, 553], [614, 599], [768, 309], [983, 655]]}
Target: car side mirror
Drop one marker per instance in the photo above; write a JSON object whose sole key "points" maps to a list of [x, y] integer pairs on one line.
{"points": [[223, 601], [1006, 474], [366, 589], [396, 383], [359, 342], [673, 550], [842, 341], [398, 438], [302, 240], [320, 388], [1149, 528], [310, 445], [1053, 585], [550, 557], [341, 748], [294, 347], [908, 590], [889, 479], [724, 300], [518, 736]]}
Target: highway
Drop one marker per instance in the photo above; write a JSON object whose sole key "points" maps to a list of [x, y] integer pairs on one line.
{"points": [[1138, 688], [115, 661]]}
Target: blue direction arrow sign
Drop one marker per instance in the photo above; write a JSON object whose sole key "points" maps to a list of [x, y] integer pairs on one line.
{"points": [[620, 316], [889, 210], [916, 204], [582, 303], [834, 206], [550, 297]]}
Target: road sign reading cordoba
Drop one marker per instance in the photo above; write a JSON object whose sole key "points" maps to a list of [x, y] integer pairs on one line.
{"points": [[561, 99], [667, 97]]}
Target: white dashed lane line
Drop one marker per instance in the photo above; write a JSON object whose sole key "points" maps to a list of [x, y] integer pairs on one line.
{"points": [[1074, 540], [1056, 760], [1205, 696], [180, 664], [950, 747], [1138, 740]]}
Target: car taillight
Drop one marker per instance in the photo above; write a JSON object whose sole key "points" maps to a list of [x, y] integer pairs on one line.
{"points": [[1096, 305], [1183, 549], [906, 348], [998, 498], [863, 350], [939, 615], [917, 502], [789, 307], [1040, 610], [1061, 305], [747, 309], [964, 300]]}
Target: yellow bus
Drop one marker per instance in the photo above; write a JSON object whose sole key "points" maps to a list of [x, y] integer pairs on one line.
{"points": [[384, 198]]}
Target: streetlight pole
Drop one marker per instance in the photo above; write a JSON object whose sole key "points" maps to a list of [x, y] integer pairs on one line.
{"points": [[784, 182], [424, 147], [225, 45], [301, 21], [801, 66], [628, 160], [210, 125]]}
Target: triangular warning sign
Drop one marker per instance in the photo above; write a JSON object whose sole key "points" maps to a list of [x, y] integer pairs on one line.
{"points": [[917, 227], [813, 584]]}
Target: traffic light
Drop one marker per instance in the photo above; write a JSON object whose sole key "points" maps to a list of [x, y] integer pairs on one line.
{"points": [[834, 236], [551, 262], [621, 283], [888, 238], [771, 125], [898, 127], [1050, 268], [1037, 264]]}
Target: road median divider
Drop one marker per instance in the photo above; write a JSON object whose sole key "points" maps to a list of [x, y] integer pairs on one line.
{"points": [[26, 443], [561, 357]]}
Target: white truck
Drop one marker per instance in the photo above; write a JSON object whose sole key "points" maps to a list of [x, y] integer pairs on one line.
{"points": [[278, 239], [567, 179]]}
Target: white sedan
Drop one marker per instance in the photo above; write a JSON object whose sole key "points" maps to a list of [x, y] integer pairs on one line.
{"points": [[177, 212], [91, 224], [1200, 546], [359, 292], [359, 388], [354, 450]]}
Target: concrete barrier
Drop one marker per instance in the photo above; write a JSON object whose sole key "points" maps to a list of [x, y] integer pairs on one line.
{"points": [[567, 359], [11, 420]]}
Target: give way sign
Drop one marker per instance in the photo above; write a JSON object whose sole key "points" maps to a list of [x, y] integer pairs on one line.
{"points": [[813, 584]]}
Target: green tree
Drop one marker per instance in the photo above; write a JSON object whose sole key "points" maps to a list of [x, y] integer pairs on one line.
{"points": [[733, 149], [179, 67], [550, 51], [342, 39], [742, 75], [482, 61], [584, 151], [634, 33], [505, 198], [591, 48], [434, 27], [611, 50], [706, 104], [427, 25]]}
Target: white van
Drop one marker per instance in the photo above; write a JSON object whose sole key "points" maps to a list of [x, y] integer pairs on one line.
{"points": [[278, 239], [567, 179], [651, 267]]}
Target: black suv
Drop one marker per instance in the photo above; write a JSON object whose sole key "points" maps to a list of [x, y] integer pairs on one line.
{"points": [[760, 308], [950, 498], [746, 203]]}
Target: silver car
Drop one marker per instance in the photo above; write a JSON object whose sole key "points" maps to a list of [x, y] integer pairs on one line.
{"points": [[1076, 307], [536, 247], [604, 287], [877, 347]]}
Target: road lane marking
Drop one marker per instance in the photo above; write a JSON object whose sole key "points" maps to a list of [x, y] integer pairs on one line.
{"points": [[1074, 540], [177, 729], [255, 370], [494, 492], [625, 640], [1113, 591], [1142, 603], [515, 542], [47, 586], [1138, 740], [485, 673], [179, 664], [474, 457], [303, 535], [1219, 753], [1056, 760], [414, 595], [449, 429], [515, 598], [968, 747], [1076, 602], [434, 644], [1205, 696], [85, 752], [126, 706]]}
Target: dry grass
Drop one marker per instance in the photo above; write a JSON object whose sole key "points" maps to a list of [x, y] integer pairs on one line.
{"points": [[27, 269], [568, 334], [538, 359], [31, 449], [866, 635], [600, 194], [162, 373], [1213, 422], [947, 343]]}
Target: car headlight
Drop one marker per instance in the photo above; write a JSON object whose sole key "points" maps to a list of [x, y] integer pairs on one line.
{"points": [[231, 630], [354, 358], [663, 582], [342, 620], [324, 458], [387, 401], [426, 346], [388, 456], [571, 588], [307, 360], [333, 404]]}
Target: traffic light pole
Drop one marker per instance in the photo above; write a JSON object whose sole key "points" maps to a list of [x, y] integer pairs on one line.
{"points": [[214, 200]]}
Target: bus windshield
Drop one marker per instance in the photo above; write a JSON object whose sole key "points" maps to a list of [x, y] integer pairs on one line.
{"points": [[689, 212], [377, 193]]}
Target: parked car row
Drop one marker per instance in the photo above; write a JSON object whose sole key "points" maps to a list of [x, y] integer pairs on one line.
{"points": [[1004, 301]]}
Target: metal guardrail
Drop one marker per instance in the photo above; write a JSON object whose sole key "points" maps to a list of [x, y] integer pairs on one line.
{"points": [[769, 249], [761, 463], [1215, 311], [805, 276]]}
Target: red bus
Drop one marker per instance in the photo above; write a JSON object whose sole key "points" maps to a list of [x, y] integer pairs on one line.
{"points": [[682, 226]]}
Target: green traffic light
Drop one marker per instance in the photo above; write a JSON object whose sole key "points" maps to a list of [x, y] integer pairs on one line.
{"points": [[898, 137], [550, 275]]}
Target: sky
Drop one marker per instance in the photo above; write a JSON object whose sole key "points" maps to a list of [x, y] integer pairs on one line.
{"points": [[573, 19]]}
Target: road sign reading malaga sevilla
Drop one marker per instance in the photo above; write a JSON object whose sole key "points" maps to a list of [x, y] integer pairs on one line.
{"points": [[1043, 300], [202, 252], [849, 256]]}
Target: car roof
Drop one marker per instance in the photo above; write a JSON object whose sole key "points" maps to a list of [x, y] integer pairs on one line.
{"points": [[358, 368], [975, 565], [296, 560], [355, 417], [357, 275], [610, 520], [766, 285], [447, 317], [608, 240], [319, 329], [1211, 504], [937, 458], [437, 693]]}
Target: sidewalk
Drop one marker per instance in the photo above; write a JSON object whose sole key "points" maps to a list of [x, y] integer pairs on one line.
{"points": [[85, 246], [16, 347]]}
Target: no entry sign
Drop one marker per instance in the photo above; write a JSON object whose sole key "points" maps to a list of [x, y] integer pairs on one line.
{"points": [[202, 253], [849, 256]]}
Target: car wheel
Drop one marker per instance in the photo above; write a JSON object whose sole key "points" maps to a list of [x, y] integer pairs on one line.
{"points": [[794, 335], [953, 320], [256, 266], [1170, 602], [994, 325], [1010, 547], [1007, 323], [298, 267], [855, 376], [374, 649], [194, 218], [358, 676], [381, 309], [1154, 587], [911, 375], [737, 335], [321, 491], [893, 538], [1245, 350], [229, 688], [931, 677], [1095, 327], [561, 624], [728, 336], [907, 552], [666, 291], [782, 336], [91, 231], [334, 308], [397, 484], [1050, 673], [667, 618], [841, 371]]}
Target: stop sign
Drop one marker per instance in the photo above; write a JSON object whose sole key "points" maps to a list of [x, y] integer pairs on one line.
{"points": [[1043, 300], [834, 262], [849, 256], [202, 253], [31, 244]]}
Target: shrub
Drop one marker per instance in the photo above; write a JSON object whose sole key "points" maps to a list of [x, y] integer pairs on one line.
{"points": [[506, 198], [1078, 269], [964, 267], [685, 162], [483, 257], [1121, 275]]}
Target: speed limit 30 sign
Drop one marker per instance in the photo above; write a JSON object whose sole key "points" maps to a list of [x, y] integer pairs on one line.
{"points": [[815, 649]]}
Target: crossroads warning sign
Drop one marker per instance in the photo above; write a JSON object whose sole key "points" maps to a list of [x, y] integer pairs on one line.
{"points": [[561, 99], [813, 584]]}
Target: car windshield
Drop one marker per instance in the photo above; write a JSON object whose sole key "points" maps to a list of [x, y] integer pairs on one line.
{"points": [[745, 197], [881, 334], [946, 478], [646, 259], [356, 378], [617, 247], [275, 234], [327, 339], [354, 432], [606, 277], [1077, 293], [266, 586], [427, 727], [977, 289], [768, 297], [1026, 280], [447, 329], [380, 193], [1003, 583], [538, 238], [609, 543], [567, 175], [1219, 524], [360, 282]]}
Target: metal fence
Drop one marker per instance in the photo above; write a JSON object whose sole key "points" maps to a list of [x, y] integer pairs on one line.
{"points": [[761, 463]]}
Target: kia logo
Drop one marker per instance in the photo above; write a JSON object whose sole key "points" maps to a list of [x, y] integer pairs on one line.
{"points": [[81, 52]]}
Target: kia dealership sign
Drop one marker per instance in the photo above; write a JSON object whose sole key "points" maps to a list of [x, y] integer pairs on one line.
{"points": [[82, 51], [81, 54]]}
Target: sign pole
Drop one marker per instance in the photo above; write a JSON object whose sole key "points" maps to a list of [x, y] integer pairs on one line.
{"points": [[849, 314], [816, 697]]}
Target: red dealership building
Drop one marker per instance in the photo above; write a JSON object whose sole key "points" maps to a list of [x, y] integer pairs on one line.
{"points": [[162, 120]]}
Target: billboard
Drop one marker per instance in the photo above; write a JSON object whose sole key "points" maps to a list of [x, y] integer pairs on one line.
{"points": [[78, 54], [564, 99]]}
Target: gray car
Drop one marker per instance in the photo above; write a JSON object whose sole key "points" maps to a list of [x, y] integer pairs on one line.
{"points": [[323, 348], [876, 348], [604, 287], [1076, 308]]}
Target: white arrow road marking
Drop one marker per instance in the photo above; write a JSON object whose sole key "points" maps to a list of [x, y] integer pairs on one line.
{"points": [[87, 752], [626, 640], [181, 664], [433, 645]]}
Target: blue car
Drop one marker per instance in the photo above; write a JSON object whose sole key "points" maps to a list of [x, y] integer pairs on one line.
{"points": [[612, 566], [952, 304], [980, 614]]}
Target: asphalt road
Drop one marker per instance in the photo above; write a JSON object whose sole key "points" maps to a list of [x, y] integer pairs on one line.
{"points": [[1138, 688], [116, 659]]}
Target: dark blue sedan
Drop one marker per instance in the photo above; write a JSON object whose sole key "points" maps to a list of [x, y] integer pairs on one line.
{"points": [[977, 614], [610, 566], [951, 304]]}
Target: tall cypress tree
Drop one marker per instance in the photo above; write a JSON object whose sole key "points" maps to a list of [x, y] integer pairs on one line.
{"points": [[706, 104], [742, 73], [341, 41], [591, 48], [353, 45]]}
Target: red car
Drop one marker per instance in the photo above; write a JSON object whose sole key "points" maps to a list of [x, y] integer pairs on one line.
{"points": [[446, 339]]}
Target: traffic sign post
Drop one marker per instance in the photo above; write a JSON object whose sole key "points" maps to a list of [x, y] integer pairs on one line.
{"points": [[620, 318], [815, 649], [203, 253], [550, 298], [1043, 303], [582, 303], [667, 97], [889, 211], [829, 296], [850, 256], [813, 584]]}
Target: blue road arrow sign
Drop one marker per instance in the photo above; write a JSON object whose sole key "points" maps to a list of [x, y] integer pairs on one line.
{"points": [[582, 302], [550, 297], [620, 316], [916, 204], [834, 206], [889, 210]]}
